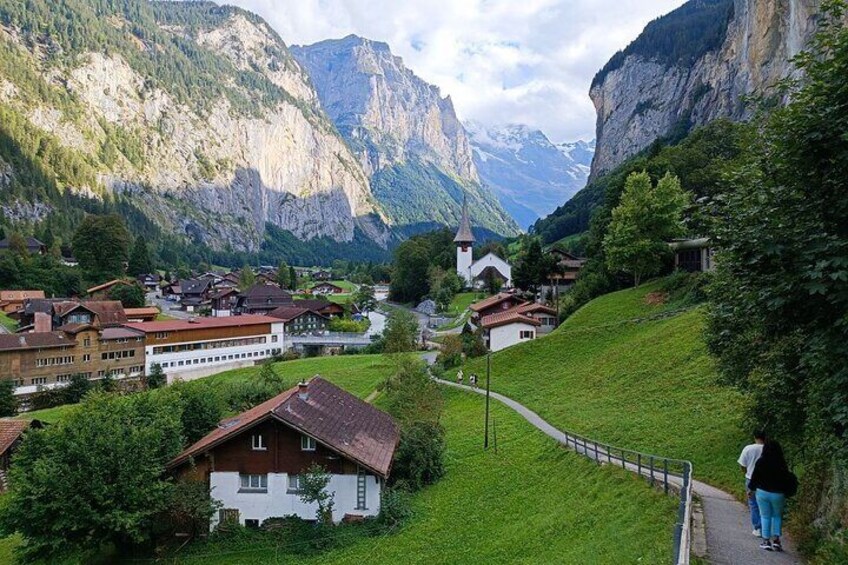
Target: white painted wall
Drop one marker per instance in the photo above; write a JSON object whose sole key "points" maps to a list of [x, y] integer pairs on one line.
{"points": [[508, 335], [170, 362], [278, 502], [492, 260], [463, 263]]}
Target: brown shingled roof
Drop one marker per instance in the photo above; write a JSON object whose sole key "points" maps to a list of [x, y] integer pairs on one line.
{"points": [[506, 318], [34, 340], [334, 417], [491, 301], [289, 313], [10, 431]]}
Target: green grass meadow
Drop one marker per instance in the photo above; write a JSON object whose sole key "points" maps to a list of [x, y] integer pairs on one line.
{"points": [[648, 385]]}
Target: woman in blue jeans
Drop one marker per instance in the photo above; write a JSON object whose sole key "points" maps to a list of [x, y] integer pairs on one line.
{"points": [[769, 482]]}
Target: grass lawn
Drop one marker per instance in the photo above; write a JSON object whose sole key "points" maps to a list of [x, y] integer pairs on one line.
{"points": [[8, 322], [531, 502], [462, 301], [649, 386], [348, 286]]}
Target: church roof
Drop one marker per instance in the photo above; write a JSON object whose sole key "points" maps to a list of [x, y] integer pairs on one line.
{"points": [[463, 234]]}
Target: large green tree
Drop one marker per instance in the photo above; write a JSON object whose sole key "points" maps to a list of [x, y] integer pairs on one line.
{"points": [[647, 217], [283, 276], [140, 262], [101, 245], [94, 478], [401, 333]]}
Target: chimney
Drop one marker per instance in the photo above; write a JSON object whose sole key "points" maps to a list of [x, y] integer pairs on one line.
{"points": [[43, 322], [302, 390]]}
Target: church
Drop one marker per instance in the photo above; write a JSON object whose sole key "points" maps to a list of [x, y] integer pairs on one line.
{"points": [[474, 273]]}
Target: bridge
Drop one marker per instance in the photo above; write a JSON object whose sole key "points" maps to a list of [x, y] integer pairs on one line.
{"points": [[329, 339]]}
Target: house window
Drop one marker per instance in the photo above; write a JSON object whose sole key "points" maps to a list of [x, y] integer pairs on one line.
{"points": [[307, 443], [273, 339], [295, 484], [39, 381], [258, 442], [86, 358], [86, 342], [526, 334], [253, 483]]}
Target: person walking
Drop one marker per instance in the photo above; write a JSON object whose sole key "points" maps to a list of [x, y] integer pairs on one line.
{"points": [[459, 376], [747, 460], [473, 380], [771, 482]]}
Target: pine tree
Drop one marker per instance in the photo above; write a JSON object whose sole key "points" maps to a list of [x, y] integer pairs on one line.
{"points": [[139, 262]]}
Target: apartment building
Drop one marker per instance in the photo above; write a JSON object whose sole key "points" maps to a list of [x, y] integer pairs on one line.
{"points": [[199, 347]]}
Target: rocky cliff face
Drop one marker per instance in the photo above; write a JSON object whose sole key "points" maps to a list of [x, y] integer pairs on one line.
{"points": [[530, 175], [406, 135], [642, 99], [216, 169]]}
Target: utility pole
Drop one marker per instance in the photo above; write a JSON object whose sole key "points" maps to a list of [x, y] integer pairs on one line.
{"points": [[488, 374]]}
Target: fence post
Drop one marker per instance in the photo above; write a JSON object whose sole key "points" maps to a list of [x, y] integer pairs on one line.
{"points": [[665, 475], [652, 470], [596, 453], [639, 464], [623, 460]]}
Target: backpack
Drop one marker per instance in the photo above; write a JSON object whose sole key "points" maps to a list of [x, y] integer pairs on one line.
{"points": [[791, 488]]}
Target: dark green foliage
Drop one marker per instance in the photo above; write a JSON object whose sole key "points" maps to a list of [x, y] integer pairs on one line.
{"points": [[94, 478], [450, 355], [200, 411], [156, 378], [76, 389], [678, 38], [8, 403], [411, 396], [314, 491], [284, 276], [140, 262], [401, 333], [395, 508], [364, 298], [419, 458], [414, 260], [101, 245], [188, 510], [41, 272], [130, 295], [534, 267], [778, 321]]}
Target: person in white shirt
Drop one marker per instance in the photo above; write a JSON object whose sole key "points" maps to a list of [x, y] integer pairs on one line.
{"points": [[747, 460]]}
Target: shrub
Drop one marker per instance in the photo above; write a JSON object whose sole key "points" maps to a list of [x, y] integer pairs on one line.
{"points": [[419, 459], [156, 378], [189, 509], [395, 508], [451, 353]]}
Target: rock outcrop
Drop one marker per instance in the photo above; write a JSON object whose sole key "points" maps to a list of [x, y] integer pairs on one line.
{"points": [[642, 99]]}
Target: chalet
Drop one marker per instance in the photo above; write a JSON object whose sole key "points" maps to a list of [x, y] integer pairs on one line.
{"points": [[145, 314], [33, 246], [504, 329], [321, 275], [545, 315], [103, 290], [199, 347], [37, 360], [693, 255], [254, 462], [300, 320], [321, 306], [261, 299], [48, 314], [266, 278], [11, 434], [13, 300], [150, 282], [500, 302], [327, 288], [223, 301], [195, 288], [568, 266]]}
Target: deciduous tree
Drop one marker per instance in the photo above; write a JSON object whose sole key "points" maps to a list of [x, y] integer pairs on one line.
{"points": [[101, 245]]}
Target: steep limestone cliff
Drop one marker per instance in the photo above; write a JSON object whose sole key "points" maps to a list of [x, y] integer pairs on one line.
{"points": [[406, 135], [641, 96]]}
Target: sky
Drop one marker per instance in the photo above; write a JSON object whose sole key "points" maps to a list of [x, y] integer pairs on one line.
{"points": [[501, 61]]}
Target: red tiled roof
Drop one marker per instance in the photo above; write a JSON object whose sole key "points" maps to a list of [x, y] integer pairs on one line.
{"points": [[20, 295], [10, 431], [34, 340], [505, 318], [108, 312], [491, 301], [533, 307], [201, 323], [334, 417]]}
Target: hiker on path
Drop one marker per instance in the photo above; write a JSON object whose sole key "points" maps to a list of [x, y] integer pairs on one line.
{"points": [[473, 380], [459, 376], [747, 460], [772, 482]]}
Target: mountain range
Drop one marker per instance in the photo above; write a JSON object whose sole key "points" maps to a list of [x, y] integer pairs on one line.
{"points": [[530, 175], [199, 125]]}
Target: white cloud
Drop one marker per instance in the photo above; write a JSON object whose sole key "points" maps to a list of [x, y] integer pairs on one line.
{"points": [[526, 61]]}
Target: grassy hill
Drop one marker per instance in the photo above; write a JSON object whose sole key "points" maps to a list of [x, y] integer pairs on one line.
{"points": [[635, 373], [531, 501]]}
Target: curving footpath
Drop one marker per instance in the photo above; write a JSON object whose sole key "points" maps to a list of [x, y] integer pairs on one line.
{"points": [[728, 531]]}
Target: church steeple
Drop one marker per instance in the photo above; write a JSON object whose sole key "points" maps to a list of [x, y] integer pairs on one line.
{"points": [[464, 234]]}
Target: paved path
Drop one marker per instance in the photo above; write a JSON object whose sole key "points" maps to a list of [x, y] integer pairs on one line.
{"points": [[729, 539]]}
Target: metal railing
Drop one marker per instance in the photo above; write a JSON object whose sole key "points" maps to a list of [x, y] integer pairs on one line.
{"points": [[668, 474]]}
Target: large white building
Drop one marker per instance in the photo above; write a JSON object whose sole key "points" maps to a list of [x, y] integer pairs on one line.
{"points": [[474, 273], [199, 347], [254, 462]]}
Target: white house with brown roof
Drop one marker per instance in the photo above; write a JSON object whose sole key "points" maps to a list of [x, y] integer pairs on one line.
{"points": [[254, 462], [507, 320], [510, 328]]}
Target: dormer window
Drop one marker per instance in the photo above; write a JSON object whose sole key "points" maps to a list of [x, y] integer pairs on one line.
{"points": [[258, 442], [307, 443]]}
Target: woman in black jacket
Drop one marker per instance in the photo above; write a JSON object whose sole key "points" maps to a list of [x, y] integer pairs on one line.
{"points": [[770, 483]]}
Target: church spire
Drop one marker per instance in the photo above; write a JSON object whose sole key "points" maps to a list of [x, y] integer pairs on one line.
{"points": [[463, 234]]}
